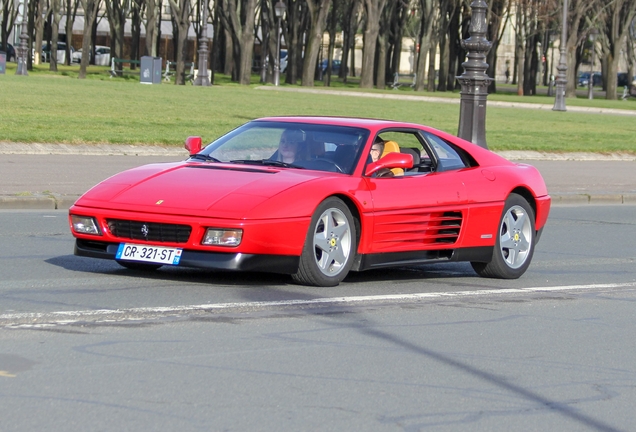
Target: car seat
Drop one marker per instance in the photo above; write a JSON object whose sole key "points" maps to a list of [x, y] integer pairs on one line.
{"points": [[416, 156], [392, 147], [344, 156]]}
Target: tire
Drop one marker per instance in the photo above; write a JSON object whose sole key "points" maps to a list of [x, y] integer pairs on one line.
{"points": [[515, 242], [138, 266], [330, 246]]}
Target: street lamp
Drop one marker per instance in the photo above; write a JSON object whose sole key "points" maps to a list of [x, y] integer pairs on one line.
{"points": [[474, 80], [279, 10], [590, 88], [202, 76], [23, 48], [561, 81]]}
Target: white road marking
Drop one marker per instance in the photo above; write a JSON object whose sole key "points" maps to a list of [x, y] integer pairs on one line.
{"points": [[69, 317]]}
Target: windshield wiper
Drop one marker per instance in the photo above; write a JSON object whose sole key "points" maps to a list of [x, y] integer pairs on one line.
{"points": [[266, 162], [204, 157]]}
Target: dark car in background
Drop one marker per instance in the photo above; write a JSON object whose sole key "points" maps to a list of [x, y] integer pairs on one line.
{"points": [[584, 79], [623, 80], [61, 52], [10, 52], [335, 66]]}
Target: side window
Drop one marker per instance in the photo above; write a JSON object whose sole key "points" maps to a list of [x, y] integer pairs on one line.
{"points": [[401, 141], [447, 157]]}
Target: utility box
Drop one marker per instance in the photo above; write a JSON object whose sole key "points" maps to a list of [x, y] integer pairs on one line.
{"points": [[3, 63], [150, 70]]}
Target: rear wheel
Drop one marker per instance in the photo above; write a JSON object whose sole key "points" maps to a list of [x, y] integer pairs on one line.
{"points": [[515, 242], [329, 247]]}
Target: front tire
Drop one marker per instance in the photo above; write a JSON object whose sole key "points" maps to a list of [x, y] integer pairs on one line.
{"points": [[330, 246], [515, 242]]}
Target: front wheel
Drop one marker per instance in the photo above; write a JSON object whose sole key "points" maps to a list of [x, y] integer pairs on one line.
{"points": [[330, 245], [515, 242]]}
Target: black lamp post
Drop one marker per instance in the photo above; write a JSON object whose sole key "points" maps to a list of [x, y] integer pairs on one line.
{"points": [[590, 88], [561, 81], [279, 10], [202, 76], [474, 81], [23, 49]]}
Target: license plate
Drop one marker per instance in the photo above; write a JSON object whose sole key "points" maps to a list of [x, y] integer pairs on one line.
{"points": [[145, 253]]}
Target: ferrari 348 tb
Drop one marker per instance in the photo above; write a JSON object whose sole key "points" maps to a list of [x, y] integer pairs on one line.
{"points": [[316, 198]]}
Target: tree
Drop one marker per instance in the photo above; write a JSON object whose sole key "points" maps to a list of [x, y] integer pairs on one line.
{"points": [[333, 23], [293, 34], [56, 15], [9, 15], [350, 22], [90, 13], [616, 18], [71, 12], [498, 17], [428, 13], [238, 17], [181, 17], [318, 10], [153, 20], [373, 10], [117, 11], [40, 14]]}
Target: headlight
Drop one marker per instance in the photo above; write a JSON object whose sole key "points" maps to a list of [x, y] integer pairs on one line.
{"points": [[222, 237], [84, 225]]}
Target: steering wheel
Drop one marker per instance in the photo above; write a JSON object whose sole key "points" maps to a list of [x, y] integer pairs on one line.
{"points": [[330, 162]]}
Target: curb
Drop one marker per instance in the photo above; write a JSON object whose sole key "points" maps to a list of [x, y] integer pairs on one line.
{"points": [[64, 202], [30, 202]]}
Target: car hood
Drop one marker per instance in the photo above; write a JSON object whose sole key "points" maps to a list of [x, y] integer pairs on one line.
{"points": [[196, 189]]}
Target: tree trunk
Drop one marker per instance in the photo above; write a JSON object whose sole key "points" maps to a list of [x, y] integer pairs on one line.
{"points": [[90, 12], [426, 32], [333, 22], [40, 14], [318, 10], [619, 15], [374, 13], [55, 10], [181, 16], [117, 11], [152, 25]]}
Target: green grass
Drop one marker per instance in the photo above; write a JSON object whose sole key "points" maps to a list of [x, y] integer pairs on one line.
{"points": [[50, 107]]}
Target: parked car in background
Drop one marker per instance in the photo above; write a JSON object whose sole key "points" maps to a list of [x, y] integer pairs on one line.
{"points": [[102, 55], [283, 60], [61, 52], [10, 52], [584, 79], [623, 80], [335, 66]]}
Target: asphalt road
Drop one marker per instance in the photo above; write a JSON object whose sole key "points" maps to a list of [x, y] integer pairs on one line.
{"points": [[86, 345]]}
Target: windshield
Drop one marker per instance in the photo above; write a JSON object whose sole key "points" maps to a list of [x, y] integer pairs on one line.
{"points": [[292, 145]]}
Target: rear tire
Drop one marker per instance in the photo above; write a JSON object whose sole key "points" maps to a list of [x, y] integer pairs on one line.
{"points": [[330, 245], [515, 242]]}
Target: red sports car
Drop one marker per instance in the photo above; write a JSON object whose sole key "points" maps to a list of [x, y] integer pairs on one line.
{"points": [[317, 197]]}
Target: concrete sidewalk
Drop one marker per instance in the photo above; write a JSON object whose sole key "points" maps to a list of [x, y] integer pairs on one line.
{"points": [[50, 176]]}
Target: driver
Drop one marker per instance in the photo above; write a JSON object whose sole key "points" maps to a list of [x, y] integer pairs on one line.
{"points": [[291, 147]]}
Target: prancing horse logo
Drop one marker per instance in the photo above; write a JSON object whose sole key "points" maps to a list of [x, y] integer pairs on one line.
{"points": [[144, 230]]}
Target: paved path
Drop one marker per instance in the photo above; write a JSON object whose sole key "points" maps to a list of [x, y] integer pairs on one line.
{"points": [[448, 100], [49, 176]]}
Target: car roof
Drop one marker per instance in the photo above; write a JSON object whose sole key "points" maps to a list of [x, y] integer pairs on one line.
{"points": [[341, 121]]}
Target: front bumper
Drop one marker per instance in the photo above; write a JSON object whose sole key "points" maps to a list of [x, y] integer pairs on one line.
{"points": [[284, 264]]}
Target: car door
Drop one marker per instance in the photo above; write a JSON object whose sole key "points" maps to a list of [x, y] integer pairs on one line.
{"points": [[421, 209]]}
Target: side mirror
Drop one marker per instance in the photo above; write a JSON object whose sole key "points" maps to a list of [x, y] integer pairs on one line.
{"points": [[392, 160], [193, 144]]}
